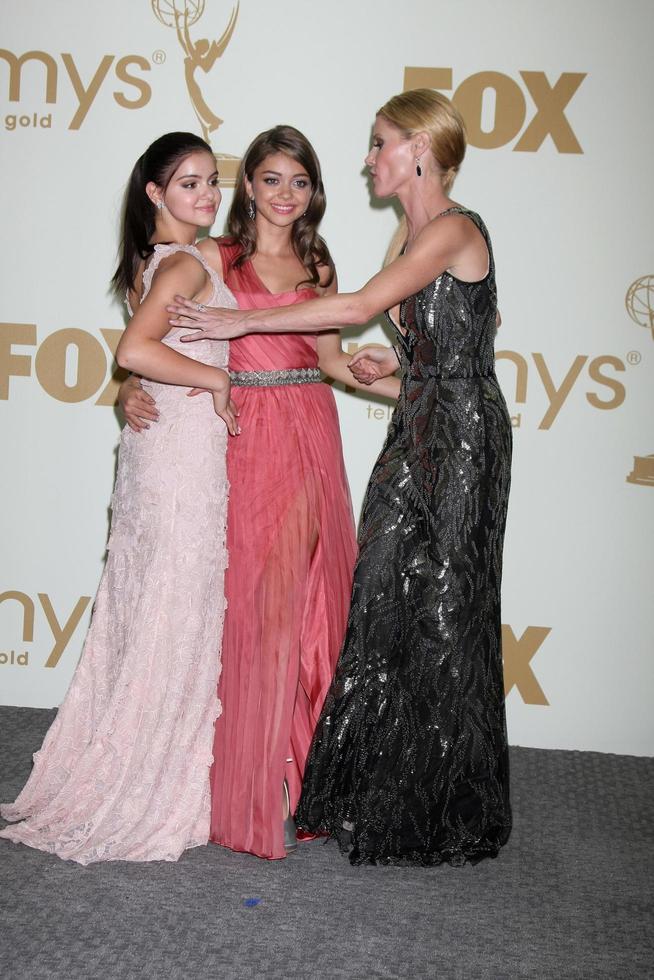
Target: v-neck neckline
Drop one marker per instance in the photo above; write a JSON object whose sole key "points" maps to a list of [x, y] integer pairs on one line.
{"points": [[284, 292]]}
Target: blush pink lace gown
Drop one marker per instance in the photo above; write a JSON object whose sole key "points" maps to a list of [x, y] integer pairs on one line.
{"points": [[292, 547], [123, 773]]}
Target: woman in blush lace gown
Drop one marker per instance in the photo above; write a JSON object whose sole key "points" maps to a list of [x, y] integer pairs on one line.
{"points": [[123, 771], [290, 530], [409, 762]]}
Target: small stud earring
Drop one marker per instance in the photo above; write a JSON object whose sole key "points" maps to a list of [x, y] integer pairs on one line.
{"points": [[160, 205], [252, 210]]}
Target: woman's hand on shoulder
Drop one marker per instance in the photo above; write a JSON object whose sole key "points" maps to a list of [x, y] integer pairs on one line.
{"points": [[209, 322]]}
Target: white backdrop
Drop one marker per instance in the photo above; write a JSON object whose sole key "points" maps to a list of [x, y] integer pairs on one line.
{"points": [[561, 116]]}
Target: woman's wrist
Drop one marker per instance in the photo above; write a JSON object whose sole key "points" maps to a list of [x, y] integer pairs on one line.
{"points": [[254, 322], [222, 382]]}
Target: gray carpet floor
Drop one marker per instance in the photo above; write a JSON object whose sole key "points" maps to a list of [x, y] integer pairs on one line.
{"points": [[569, 897]]}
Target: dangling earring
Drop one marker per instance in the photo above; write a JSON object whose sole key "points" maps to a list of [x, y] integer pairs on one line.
{"points": [[418, 167], [252, 210]]}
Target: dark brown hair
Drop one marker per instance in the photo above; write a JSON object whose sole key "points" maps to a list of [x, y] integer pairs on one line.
{"points": [[157, 164], [309, 247]]}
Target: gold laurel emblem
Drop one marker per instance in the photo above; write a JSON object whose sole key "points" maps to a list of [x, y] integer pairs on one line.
{"points": [[200, 55], [639, 302]]}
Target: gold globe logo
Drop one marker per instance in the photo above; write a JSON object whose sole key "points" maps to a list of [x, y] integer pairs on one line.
{"points": [[168, 11], [200, 56], [639, 302]]}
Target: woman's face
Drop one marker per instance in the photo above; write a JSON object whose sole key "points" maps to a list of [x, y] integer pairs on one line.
{"points": [[391, 159], [192, 195], [281, 189]]}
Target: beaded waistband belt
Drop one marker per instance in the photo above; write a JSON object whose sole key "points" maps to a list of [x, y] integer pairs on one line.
{"points": [[270, 379]]}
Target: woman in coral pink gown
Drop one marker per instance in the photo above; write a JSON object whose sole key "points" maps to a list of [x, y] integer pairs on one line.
{"points": [[290, 532], [292, 548]]}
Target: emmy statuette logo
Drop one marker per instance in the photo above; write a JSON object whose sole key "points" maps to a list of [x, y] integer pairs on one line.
{"points": [[639, 302], [200, 56]]}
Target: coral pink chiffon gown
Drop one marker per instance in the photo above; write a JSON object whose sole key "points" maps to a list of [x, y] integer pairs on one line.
{"points": [[291, 544]]}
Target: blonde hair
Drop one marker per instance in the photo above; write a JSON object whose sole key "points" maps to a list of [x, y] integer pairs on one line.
{"points": [[424, 110]]}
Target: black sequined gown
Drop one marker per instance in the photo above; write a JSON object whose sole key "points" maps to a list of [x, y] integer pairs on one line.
{"points": [[409, 762]]}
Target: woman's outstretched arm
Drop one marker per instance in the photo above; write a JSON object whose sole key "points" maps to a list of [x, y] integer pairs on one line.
{"points": [[437, 248]]}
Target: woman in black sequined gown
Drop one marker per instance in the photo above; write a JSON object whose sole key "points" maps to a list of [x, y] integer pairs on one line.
{"points": [[409, 762]]}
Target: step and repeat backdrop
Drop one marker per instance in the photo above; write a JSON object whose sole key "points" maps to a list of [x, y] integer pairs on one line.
{"points": [[558, 104]]}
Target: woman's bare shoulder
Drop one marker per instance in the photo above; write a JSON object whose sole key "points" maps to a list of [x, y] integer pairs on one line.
{"points": [[178, 271]]}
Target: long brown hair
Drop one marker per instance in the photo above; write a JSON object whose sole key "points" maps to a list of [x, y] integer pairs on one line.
{"points": [[309, 247]]}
